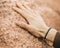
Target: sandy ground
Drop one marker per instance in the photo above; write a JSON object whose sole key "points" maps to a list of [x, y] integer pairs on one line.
{"points": [[11, 36]]}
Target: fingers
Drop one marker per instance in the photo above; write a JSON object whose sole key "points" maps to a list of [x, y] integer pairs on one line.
{"points": [[30, 11], [28, 8], [23, 13], [29, 28], [25, 9], [20, 6]]}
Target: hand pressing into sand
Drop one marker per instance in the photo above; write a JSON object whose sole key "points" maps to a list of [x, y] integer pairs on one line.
{"points": [[36, 25]]}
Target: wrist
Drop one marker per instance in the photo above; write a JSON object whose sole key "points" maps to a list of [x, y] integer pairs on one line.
{"points": [[45, 31], [51, 35]]}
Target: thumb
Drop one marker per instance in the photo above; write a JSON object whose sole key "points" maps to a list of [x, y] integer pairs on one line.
{"points": [[28, 27]]}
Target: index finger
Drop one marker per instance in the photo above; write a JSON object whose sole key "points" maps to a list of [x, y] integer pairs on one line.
{"points": [[23, 13]]}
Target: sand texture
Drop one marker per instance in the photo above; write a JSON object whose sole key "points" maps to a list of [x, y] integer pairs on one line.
{"points": [[12, 36]]}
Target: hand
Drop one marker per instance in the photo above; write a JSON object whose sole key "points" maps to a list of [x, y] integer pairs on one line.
{"points": [[36, 24]]}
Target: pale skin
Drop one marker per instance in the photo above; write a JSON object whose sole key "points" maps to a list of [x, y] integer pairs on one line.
{"points": [[36, 24]]}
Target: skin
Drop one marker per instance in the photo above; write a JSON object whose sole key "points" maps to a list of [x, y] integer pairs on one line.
{"points": [[36, 24]]}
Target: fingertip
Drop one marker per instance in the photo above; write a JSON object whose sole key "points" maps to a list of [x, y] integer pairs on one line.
{"points": [[20, 23], [17, 4], [14, 8]]}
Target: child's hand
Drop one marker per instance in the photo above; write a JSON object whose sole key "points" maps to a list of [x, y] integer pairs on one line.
{"points": [[36, 24]]}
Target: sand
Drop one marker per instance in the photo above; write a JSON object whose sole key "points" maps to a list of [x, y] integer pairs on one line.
{"points": [[12, 36]]}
